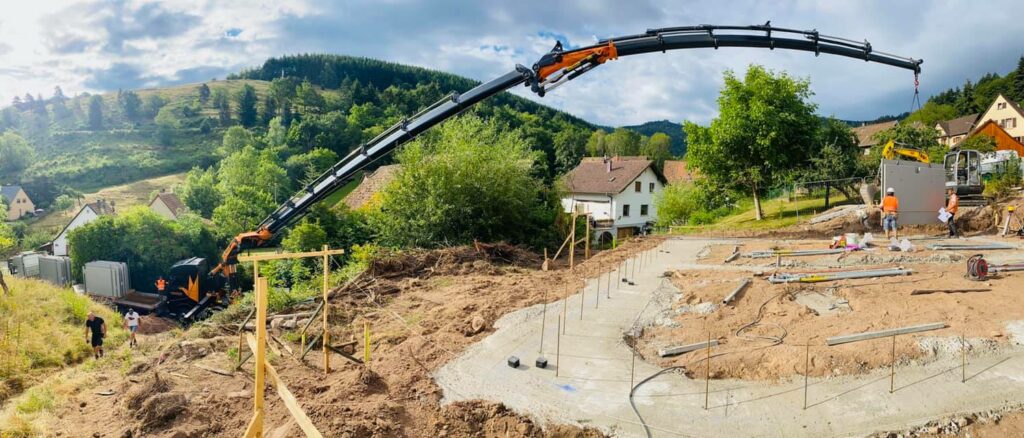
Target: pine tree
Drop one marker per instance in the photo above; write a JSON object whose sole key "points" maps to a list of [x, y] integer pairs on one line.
{"points": [[269, 109], [1017, 87], [965, 102], [247, 106], [204, 93], [95, 113]]}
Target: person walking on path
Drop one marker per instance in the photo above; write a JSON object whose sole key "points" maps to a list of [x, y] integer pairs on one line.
{"points": [[131, 322], [951, 207], [95, 331], [890, 211]]}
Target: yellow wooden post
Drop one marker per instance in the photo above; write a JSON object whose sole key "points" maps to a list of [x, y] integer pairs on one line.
{"points": [[366, 344], [327, 308], [586, 244], [572, 243], [261, 352]]}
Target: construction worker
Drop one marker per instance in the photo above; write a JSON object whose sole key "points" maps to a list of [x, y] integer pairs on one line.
{"points": [[890, 211], [161, 284], [95, 331], [951, 207]]}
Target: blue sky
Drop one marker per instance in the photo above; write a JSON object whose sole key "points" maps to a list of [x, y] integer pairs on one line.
{"points": [[106, 45]]}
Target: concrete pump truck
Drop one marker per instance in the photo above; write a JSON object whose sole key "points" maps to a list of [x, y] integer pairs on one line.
{"points": [[193, 289]]}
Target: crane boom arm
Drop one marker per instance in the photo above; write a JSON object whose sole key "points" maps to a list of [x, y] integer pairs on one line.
{"points": [[553, 69]]}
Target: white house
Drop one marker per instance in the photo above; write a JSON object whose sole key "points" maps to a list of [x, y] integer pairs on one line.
{"points": [[88, 213], [168, 205], [618, 193]]}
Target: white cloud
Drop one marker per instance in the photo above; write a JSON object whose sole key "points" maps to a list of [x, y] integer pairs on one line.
{"points": [[96, 45]]}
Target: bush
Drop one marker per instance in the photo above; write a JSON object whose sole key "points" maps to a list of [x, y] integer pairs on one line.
{"points": [[1005, 180], [468, 179], [698, 203]]}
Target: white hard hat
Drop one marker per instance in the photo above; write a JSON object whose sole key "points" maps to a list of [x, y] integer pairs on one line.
{"points": [[890, 190]]}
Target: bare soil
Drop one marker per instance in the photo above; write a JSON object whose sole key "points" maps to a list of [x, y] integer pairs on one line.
{"points": [[419, 321], [780, 320]]}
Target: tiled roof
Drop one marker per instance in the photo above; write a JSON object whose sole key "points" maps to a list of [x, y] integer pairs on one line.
{"points": [[676, 170], [607, 176], [7, 193], [172, 202], [371, 185], [959, 125], [866, 133]]}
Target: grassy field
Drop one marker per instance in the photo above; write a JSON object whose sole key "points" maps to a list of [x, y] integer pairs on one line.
{"points": [[778, 213], [123, 196], [42, 327]]}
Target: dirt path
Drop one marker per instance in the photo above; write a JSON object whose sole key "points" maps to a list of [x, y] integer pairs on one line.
{"points": [[594, 373]]}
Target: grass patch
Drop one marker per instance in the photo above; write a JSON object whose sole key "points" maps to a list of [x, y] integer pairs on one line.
{"points": [[36, 400], [778, 213]]}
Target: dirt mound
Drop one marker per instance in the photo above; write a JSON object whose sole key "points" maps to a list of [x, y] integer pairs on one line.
{"points": [[450, 261], [152, 324], [485, 419], [139, 393], [160, 410]]}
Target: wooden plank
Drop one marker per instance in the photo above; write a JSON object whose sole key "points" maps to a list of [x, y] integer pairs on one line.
{"points": [[283, 345], [287, 397], [251, 431], [844, 339], [287, 255], [327, 308], [947, 291], [342, 353], [672, 351], [260, 349]]}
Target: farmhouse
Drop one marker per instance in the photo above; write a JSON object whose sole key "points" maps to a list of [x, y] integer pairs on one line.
{"points": [[17, 201], [88, 213], [618, 194], [168, 205], [951, 132]]}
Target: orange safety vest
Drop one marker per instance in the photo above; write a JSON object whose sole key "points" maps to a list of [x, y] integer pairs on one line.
{"points": [[954, 204], [160, 284], [890, 204]]}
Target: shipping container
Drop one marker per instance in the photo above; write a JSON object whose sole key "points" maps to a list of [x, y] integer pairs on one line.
{"points": [[25, 264]]}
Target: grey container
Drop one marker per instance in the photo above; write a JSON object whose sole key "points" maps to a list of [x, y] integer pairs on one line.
{"points": [[55, 269], [106, 279], [26, 264]]}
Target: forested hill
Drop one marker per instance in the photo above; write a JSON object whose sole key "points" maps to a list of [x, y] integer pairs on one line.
{"points": [[672, 129]]}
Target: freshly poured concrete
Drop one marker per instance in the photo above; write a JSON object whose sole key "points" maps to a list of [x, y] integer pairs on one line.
{"points": [[593, 381]]}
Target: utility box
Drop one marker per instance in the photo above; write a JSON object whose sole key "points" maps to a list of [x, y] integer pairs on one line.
{"points": [[25, 264], [55, 269], [920, 187], [106, 279]]}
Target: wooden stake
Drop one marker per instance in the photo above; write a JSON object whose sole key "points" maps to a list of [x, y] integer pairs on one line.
{"points": [[544, 267], [597, 292], [707, 375], [892, 367], [572, 239], [807, 367], [366, 344], [327, 308], [558, 347], [261, 354]]}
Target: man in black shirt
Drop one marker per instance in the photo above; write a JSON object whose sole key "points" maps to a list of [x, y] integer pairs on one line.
{"points": [[95, 330]]}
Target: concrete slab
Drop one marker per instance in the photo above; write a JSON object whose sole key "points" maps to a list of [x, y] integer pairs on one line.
{"points": [[594, 375]]}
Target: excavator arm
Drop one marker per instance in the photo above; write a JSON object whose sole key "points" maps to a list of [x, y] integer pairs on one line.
{"points": [[891, 151], [553, 69]]}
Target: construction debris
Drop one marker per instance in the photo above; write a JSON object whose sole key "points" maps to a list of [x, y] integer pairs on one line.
{"points": [[947, 291], [735, 254], [732, 295], [778, 278], [672, 351], [836, 340]]}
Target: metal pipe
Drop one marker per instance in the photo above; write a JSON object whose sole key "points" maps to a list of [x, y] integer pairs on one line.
{"points": [[831, 276], [980, 247], [793, 253], [732, 295]]}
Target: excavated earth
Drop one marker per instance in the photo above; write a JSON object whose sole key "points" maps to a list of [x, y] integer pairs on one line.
{"points": [[424, 308]]}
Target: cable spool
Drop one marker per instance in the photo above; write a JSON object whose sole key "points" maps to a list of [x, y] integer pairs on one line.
{"points": [[977, 268]]}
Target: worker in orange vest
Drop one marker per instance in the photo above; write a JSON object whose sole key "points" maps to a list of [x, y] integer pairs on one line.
{"points": [[951, 207], [161, 284], [890, 211]]}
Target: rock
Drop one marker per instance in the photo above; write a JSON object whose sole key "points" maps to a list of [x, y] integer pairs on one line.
{"points": [[477, 324], [963, 421], [83, 404], [275, 324], [239, 394], [127, 433], [934, 430]]}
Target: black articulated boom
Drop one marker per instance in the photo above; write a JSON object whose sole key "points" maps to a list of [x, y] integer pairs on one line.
{"points": [[552, 70]]}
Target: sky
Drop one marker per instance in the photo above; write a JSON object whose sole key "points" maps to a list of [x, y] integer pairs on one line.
{"points": [[96, 46]]}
